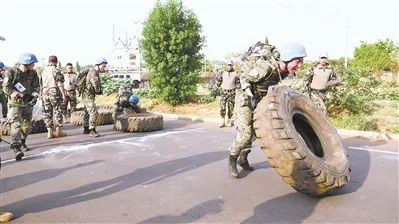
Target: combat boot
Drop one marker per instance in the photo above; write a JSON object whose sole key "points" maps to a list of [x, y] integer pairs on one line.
{"points": [[50, 133], [93, 133], [59, 133], [229, 123], [24, 147], [65, 118], [222, 124], [5, 216], [243, 160], [233, 166], [86, 130], [16, 147]]}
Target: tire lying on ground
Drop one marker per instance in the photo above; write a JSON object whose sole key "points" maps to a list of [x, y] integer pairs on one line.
{"points": [[104, 116], [140, 122], [300, 142], [36, 126]]}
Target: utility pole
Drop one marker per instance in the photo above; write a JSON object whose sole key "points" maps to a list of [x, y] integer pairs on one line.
{"points": [[346, 43]]}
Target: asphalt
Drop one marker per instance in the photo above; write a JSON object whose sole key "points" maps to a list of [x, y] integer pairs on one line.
{"points": [[179, 175]]}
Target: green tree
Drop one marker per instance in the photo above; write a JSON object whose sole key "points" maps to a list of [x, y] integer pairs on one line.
{"points": [[171, 44], [376, 57], [77, 67]]}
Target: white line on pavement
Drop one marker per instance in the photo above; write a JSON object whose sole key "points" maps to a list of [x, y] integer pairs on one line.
{"points": [[75, 148], [374, 150]]}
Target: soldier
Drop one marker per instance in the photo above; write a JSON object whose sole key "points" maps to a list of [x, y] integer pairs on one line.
{"points": [[92, 88], [53, 94], [70, 91], [21, 85], [125, 100], [3, 97], [262, 69], [318, 78], [228, 82]]}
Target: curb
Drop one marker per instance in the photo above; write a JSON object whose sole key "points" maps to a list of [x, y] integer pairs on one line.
{"points": [[342, 132]]}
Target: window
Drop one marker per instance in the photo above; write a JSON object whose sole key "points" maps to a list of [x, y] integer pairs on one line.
{"points": [[121, 76], [128, 76]]}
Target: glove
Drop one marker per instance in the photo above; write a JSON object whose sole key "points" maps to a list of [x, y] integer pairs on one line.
{"points": [[248, 92], [33, 100]]}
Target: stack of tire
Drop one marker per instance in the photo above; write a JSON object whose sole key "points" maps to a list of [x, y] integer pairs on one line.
{"points": [[104, 115], [127, 122], [139, 122], [37, 125]]}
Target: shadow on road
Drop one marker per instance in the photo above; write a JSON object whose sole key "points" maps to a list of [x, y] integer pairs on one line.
{"points": [[15, 182], [100, 189], [296, 207], [195, 213]]}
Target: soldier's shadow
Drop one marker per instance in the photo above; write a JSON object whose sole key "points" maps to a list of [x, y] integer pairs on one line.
{"points": [[296, 207], [91, 191]]}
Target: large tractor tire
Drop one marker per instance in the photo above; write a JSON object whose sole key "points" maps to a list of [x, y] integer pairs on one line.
{"points": [[300, 142], [104, 116], [140, 122], [36, 126]]}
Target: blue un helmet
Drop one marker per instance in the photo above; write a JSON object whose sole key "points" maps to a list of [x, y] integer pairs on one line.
{"points": [[2, 65], [27, 59], [291, 51], [133, 99], [100, 61]]}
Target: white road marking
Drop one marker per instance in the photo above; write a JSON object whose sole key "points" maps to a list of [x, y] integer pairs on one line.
{"points": [[138, 141], [374, 150]]}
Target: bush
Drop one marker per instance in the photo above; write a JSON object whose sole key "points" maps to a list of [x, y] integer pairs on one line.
{"points": [[109, 85], [356, 96], [205, 99], [145, 92]]}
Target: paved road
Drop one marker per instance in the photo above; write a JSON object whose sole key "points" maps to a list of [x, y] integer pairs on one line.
{"points": [[179, 175]]}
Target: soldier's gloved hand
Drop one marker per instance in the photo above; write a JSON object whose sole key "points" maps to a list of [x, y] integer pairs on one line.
{"points": [[100, 92], [248, 92]]}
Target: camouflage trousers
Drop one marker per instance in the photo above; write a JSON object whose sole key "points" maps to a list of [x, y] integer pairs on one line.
{"points": [[245, 134], [4, 102], [52, 102], [91, 113], [318, 96], [20, 119], [227, 102], [71, 100]]}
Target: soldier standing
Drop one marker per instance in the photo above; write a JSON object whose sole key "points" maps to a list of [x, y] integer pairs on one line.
{"points": [[92, 88], [319, 78], [228, 82], [3, 97], [53, 94], [264, 68], [70, 91], [21, 85]]}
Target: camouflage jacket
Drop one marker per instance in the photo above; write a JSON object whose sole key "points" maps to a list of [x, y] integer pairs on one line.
{"points": [[29, 80], [93, 84], [228, 80], [51, 77], [260, 73]]}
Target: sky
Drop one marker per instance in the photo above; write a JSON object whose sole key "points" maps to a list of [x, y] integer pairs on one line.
{"points": [[77, 30]]}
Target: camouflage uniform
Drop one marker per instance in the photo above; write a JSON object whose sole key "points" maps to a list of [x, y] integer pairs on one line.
{"points": [[20, 111], [258, 75], [317, 80], [70, 93], [123, 101], [228, 82], [51, 78], [3, 99], [93, 87]]}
